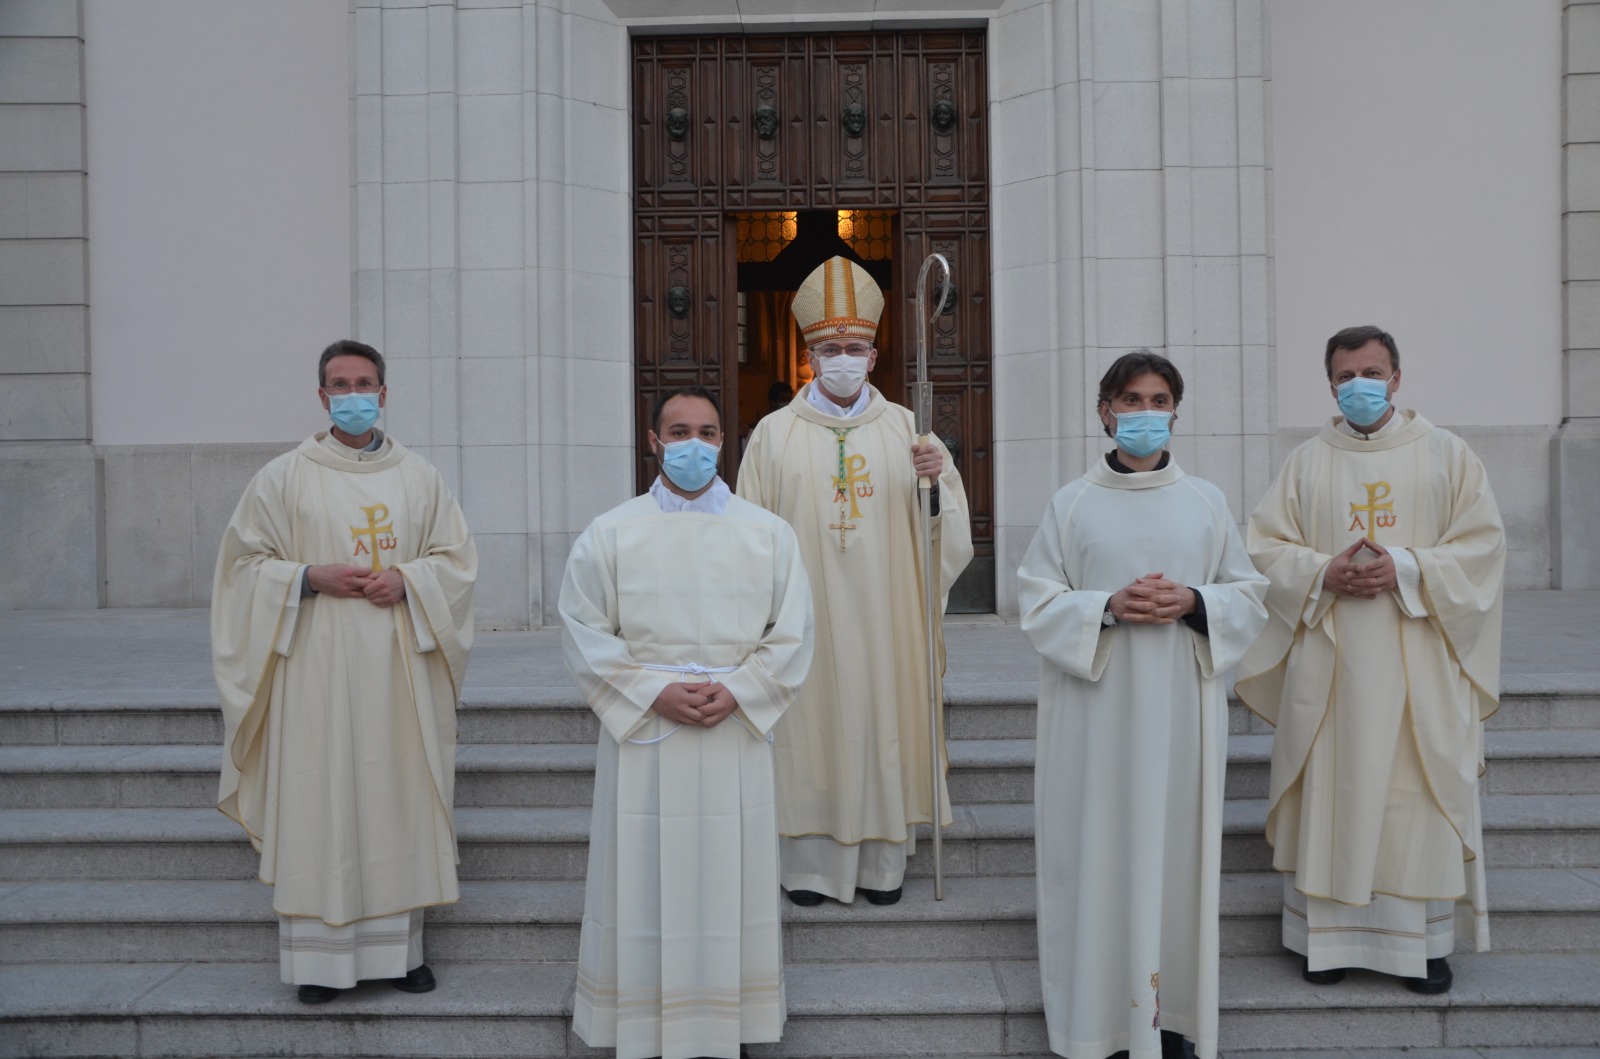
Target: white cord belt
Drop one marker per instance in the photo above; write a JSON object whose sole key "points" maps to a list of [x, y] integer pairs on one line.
{"points": [[693, 669]]}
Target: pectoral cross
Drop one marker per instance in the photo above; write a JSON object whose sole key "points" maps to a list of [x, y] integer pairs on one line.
{"points": [[841, 526], [1377, 500], [375, 514]]}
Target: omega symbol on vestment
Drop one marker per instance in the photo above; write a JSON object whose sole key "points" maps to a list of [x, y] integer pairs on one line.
{"points": [[855, 485], [372, 538], [1379, 510]]}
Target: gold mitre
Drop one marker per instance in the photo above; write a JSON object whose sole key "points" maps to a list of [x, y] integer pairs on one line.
{"points": [[838, 300]]}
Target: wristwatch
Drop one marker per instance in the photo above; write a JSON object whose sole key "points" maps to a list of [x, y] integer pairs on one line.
{"points": [[1108, 619]]}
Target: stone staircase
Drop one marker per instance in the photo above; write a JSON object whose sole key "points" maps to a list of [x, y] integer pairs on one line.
{"points": [[131, 924]]}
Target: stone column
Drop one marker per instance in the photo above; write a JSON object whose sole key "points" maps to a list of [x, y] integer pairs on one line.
{"points": [[492, 266], [1131, 190], [49, 479], [1575, 456]]}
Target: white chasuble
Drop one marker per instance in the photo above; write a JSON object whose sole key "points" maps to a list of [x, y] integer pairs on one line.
{"points": [[1379, 707], [339, 757], [853, 753], [680, 952], [1132, 745]]}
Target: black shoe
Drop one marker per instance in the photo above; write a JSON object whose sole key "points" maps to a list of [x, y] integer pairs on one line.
{"points": [[1332, 976], [805, 898], [881, 897], [1175, 1046], [1438, 980], [317, 994], [417, 980]]}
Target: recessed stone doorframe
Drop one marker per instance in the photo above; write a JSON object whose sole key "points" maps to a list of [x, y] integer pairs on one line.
{"points": [[1130, 185]]}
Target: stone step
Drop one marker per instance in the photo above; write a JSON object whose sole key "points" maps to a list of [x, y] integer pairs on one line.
{"points": [[999, 710], [982, 771], [1521, 830], [944, 1008], [1533, 910]]}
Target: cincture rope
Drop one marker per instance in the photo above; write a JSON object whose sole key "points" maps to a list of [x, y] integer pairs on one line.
{"points": [[841, 433], [693, 669]]}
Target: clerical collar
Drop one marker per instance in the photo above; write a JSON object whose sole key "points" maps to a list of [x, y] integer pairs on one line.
{"points": [[1115, 463], [714, 501], [1396, 422], [824, 404], [335, 445]]}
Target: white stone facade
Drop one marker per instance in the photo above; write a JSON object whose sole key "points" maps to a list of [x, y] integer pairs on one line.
{"points": [[490, 168]]}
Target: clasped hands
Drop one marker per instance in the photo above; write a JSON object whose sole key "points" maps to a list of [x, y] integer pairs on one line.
{"points": [[382, 588], [1152, 600], [706, 705], [1368, 580]]}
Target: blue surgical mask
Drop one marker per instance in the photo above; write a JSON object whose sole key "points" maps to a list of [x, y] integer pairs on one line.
{"points": [[1143, 433], [1363, 401], [353, 413], [690, 464]]}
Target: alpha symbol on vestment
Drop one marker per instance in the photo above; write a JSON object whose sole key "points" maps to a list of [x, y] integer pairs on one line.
{"points": [[1379, 510], [380, 536], [856, 484]]}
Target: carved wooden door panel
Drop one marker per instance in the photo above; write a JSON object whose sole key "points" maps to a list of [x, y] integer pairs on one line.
{"points": [[731, 128]]}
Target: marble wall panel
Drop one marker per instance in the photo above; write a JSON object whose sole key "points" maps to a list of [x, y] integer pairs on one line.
{"points": [[1583, 384], [38, 18], [492, 388], [44, 407], [405, 226], [404, 51], [490, 137], [50, 516], [41, 206], [1129, 299], [494, 488], [491, 313], [1010, 34], [489, 225], [1026, 409], [43, 272], [1018, 122], [44, 338], [489, 46], [41, 138], [1127, 126], [149, 540], [1127, 214], [41, 69], [406, 299]]}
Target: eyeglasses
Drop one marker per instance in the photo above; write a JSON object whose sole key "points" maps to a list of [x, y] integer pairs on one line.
{"points": [[855, 350], [339, 389]]}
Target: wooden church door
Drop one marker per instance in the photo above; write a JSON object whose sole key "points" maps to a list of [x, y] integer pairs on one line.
{"points": [[757, 157]]}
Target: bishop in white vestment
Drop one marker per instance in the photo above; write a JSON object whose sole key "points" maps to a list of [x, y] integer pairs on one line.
{"points": [[684, 595], [840, 464], [1379, 665], [1132, 740], [341, 618]]}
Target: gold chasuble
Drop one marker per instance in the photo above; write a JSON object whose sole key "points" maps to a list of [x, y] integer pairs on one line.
{"points": [[681, 948], [339, 757], [1379, 704], [853, 751]]}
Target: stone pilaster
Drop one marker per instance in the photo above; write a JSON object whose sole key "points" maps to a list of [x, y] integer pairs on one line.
{"points": [[493, 264], [49, 479], [1131, 187], [1575, 456]]}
